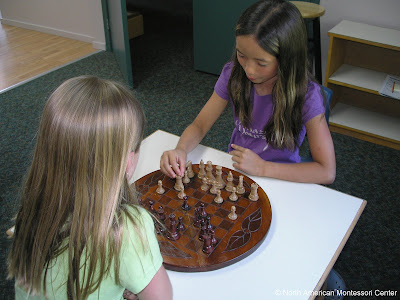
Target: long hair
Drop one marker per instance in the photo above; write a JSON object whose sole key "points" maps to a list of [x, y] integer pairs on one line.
{"points": [[279, 29], [76, 196]]}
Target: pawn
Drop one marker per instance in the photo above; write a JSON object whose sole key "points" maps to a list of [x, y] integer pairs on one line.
{"points": [[233, 216], [181, 194], [204, 186], [178, 184], [161, 214], [202, 211], [186, 178], [197, 218], [152, 209], [160, 190], [218, 199], [213, 239], [180, 226], [207, 248], [189, 169], [233, 196], [185, 205], [229, 184], [253, 193], [240, 188], [202, 172], [173, 232], [214, 188]]}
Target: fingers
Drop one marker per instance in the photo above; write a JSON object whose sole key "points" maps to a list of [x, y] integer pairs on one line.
{"points": [[172, 163], [236, 147]]}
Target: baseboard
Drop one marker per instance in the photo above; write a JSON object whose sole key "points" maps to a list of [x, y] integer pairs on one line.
{"points": [[50, 30], [99, 45]]}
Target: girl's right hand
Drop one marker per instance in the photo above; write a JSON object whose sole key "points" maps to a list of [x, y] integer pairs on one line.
{"points": [[173, 163]]}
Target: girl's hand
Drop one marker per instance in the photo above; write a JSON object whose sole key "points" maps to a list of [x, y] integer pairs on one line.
{"points": [[173, 163], [247, 161]]}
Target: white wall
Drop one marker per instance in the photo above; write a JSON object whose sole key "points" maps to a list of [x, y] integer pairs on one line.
{"points": [[382, 13], [77, 19]]}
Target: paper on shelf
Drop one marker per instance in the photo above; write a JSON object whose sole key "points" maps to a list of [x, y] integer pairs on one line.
{"points": [[391, 87]]}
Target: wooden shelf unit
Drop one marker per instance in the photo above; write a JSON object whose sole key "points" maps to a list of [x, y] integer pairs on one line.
{"points": [[359, 58]]}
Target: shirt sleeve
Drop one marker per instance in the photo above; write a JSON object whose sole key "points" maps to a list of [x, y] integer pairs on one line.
{"points": [[314, 103], [221, 87], [140, 253]]}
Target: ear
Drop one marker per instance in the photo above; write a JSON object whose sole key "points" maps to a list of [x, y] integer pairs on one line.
{"points": [[131, 164]]}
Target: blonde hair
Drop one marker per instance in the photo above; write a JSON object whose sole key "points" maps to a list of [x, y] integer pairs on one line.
{"points": [[76, 189]]}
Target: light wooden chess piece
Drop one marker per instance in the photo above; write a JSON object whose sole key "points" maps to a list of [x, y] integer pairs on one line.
{"points": [[220, 181], [240, 188], [178, 184], [233, 196], [218, 199], [189, 169], [160, 190], [233, 216], [186, 178], [181, 193], [210, 177], [229, 185], [202, 172], [204, 186], [253, 193], [214, 188]]}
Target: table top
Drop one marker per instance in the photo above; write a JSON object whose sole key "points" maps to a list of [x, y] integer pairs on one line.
{"points": [[310, 226], [309, 10]]}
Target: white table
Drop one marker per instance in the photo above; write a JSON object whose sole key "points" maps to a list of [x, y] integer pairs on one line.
{"points": [[310, 226]]}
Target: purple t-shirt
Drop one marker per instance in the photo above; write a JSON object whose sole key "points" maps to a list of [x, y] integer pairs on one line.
{"points": [[253, 137]]}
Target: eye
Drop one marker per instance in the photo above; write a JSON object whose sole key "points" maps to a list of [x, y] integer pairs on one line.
{"points": [[262, 65], [239, 54]]}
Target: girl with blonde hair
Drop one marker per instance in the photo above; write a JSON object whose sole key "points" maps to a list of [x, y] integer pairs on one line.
{"points": [[79, 233], [274, 98]]}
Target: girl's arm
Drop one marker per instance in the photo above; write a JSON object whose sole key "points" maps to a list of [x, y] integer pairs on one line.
{"points": [[173, 161], [159, 287], [321, 170]]}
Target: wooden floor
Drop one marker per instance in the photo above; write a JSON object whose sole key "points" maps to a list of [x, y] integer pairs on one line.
{"points": [[26, 53]]}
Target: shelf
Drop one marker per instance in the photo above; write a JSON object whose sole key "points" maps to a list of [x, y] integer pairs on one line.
{"points": [[366, 121], [358, 78]]}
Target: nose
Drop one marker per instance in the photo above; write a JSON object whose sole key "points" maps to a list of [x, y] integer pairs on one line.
{"points": [[249, 68]]}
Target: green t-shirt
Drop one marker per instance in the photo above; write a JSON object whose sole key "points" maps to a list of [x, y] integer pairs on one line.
{"points": [[138, 265]]}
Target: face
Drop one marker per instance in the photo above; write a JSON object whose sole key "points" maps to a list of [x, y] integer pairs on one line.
{"points": [[260, 66]]}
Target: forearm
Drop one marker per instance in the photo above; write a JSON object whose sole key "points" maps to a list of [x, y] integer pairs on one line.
{"points": [[190, 138], [308, 172]]}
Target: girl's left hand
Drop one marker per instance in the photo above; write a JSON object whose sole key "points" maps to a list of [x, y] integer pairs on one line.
{"points": [[246, 160]]}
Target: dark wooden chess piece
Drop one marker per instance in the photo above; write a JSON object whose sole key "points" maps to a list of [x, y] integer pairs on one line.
{"points": [[213, 239], [152, 209], [202, 211], [173, 232], [161, 214], [180, 225], [207, 248], [203, 231], [185, 205]]}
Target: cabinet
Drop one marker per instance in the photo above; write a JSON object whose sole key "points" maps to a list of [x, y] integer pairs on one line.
{"points": [[359, 58]]}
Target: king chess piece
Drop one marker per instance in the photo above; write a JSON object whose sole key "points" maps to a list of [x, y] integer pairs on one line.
{"points": [[253, 192], [220, 181]]}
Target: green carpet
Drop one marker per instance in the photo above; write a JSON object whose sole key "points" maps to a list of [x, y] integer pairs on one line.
{"points": [[172, 93]]}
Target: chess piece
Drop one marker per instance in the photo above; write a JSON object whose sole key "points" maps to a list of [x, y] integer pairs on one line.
{"points": [[178, 184], [203, 231], [185, 205], [233, 216], [197, 218], [152, 209], [160, 190], [214, 188], [202, 211], [189, 169], [220, 181], [180, 225], [213, 239], [210, 177], [186, 178], [233, 196], [181, 194], [253, 193], [229, 184], [173, 232], [204, 186], [207, 248], [161, 214], [202, 172], [240, 188], [218, 199]]}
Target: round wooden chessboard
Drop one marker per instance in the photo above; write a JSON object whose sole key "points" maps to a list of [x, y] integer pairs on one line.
{"points": [[235, 239]]}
